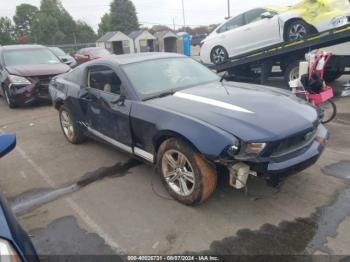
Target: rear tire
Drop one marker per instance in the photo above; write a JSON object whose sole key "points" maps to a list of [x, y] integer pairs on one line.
{"points": [[70, 127], [296, 30], [185, 173], [329, 111], [291, 72]]}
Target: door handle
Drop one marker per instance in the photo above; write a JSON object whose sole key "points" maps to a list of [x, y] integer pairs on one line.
{"points": [[247, 29]]}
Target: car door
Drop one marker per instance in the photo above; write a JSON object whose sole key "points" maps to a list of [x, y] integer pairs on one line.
{"points": [[260, 32], [230, 36], [107, 114]]}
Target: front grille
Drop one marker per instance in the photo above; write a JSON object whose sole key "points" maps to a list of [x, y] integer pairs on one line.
{"points": [[295, 143], [43, 85], [44, 80]]}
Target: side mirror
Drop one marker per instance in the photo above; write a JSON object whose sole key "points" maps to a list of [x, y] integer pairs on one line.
{"points": [[267, 15], [120, 101]]}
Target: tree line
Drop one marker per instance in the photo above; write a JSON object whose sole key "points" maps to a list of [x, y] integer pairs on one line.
{"points": [[51, 24]]}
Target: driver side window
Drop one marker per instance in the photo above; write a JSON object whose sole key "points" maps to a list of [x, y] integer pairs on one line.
{"points": [[104, 79], [254, 15], [231, 24]]}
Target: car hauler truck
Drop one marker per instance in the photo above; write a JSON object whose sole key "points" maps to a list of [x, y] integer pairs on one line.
{"points": [[259, 63]]}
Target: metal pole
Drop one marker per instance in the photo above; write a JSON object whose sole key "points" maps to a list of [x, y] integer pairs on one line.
{"points": [[228, 9], [183, 13]]}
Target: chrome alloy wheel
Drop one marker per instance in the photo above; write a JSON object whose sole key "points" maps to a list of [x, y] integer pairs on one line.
{"points": [[67, 125], [219, 55], [297, 32], [178, 172]]}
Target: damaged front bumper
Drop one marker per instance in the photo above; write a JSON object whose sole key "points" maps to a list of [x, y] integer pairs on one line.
{"points": [[291, 164], [277, 168], [24, 95]]}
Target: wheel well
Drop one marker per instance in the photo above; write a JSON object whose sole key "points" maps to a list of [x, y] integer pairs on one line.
{"points": [[313, 29], [167, 135], [58, 104]]}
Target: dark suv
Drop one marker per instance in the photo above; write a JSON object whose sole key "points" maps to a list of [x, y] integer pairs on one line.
{"points": [[25, 73]]}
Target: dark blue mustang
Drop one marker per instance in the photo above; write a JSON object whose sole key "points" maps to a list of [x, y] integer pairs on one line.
{"points": [[15, 244], [178, 115]]}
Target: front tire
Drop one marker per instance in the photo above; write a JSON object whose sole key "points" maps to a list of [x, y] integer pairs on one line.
{"points": [[218, 55], [185, 173], [70, 127], [8, 99], [297, 30]]}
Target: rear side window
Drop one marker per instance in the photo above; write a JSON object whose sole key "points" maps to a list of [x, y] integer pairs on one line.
{"points": [[254, 15], [74, 76], [231, 24], [104, 79]]}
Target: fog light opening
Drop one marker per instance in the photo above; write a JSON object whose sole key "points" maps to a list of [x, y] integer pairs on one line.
{"points": [[239, 174]]}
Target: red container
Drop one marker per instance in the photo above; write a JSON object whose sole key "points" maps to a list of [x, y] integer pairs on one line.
{"points": [[318, 99]]}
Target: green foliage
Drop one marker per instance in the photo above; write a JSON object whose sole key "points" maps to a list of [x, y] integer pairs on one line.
{"points": [[105, 25], [84, 33], [24, 18], [54, 26], [122, 17], [7, 35]]}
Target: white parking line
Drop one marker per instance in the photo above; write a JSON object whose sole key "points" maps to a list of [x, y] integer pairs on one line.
{"points": [[94, 227]]}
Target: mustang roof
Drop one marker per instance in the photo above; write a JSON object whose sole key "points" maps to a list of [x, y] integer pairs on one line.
{"points": [[139, 57]]}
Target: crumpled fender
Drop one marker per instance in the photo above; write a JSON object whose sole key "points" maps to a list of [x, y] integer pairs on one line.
{"points": [[315, 12]]}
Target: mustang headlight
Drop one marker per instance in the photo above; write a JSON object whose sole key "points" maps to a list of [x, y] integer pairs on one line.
{"points": [[254, 148], [7, 252], [19, 80], [339, 21]]}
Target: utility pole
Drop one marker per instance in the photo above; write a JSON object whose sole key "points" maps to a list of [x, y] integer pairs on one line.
{"points": [[183, 13], [228, 9], [174, 23]]}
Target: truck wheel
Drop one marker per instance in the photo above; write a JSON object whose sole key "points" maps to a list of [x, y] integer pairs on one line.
{"points": [[9, 101], [218, 55], [69, 126], [186, 174], [297, 30], [291, 72]]}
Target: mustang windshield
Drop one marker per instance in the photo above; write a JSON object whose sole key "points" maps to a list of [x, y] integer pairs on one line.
{"points": [[156, 77], [30, 57]]}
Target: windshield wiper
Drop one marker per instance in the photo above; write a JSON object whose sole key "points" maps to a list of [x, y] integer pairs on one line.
{"points": [[164, 94]]}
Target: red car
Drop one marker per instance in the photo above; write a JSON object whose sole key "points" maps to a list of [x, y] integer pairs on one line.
{"points": [[91, 53], [25, 73]]}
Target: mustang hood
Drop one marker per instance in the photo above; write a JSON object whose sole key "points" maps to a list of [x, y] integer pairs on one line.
{"points": [[250, 112], [38, 70]]}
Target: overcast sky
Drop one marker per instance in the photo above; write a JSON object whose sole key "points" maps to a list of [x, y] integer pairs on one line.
{"points": [[197, 12]]}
